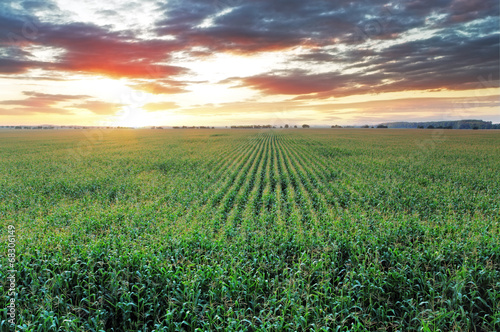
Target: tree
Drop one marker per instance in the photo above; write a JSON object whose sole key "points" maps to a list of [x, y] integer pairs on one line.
{"points": [[295, 126], [286, 126], [365, 126], [430, 127], [305, 126], [382, 126]]}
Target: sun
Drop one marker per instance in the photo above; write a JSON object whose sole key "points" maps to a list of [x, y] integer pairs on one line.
{"points": [[131, 116]]}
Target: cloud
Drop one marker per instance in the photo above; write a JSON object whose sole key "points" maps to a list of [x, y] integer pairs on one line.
{"points": [[92, 49], [261, 25], [451, 63], [163, 106], [48, 96], [336, 48], [294, 83], [390, 106], [159, 88], [44, 103], [19, 111], [41, 100], [242, 108], [11, 66], [411, 104], [99, 107], [462, 11], [87, 47]]}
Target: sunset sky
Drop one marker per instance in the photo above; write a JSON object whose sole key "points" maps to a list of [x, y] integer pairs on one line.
{"points": [[225, 62]]}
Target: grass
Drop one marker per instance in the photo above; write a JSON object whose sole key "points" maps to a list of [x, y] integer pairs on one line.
{"points": [[284, 230]]}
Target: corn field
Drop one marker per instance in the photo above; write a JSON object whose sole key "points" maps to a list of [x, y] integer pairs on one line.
{"points": [[251, 230]]}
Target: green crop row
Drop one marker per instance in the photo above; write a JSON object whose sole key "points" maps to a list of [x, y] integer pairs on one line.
{"points": [[251, 230]]}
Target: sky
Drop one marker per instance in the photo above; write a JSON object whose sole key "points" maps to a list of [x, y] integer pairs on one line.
{"points": [[236, 62]]}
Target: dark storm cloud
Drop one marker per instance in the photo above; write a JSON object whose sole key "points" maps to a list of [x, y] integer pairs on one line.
{"points": [[455, 59], [434, 63], [259, 25], [13, 66], [34, 5], [86, 47], [92, 49], [468, 10], [272, 25]]}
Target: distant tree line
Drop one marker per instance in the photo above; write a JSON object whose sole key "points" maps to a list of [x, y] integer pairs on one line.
{"points": [[440, 127], [186, 127], [265, 126], [459, 124], [253, 127], [61, 127]]}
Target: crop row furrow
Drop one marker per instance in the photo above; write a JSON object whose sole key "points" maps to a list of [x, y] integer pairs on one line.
{"points": [[272, 204], [310, 180], [268, 206], [293, 210], [244, 192], [197, 206], [228, 200], [221, 167], [257, 203], [336, 196], [236, 166], [304, 200], [295, 201], [284, 182], [277, 184], [249, 213], [205, 209]]}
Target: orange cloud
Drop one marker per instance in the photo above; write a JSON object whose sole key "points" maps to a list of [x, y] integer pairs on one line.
{"points": [[157, 88], [99, 107], [164, 106]]}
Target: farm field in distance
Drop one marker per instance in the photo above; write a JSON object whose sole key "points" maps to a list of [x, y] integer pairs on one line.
{"points": [[252, 230]]}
